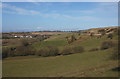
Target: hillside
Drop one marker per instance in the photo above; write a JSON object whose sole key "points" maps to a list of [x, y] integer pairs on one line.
{"points": [[87, 64]]}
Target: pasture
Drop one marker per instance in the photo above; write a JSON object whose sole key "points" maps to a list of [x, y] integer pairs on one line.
{"points": [[86, 64]]}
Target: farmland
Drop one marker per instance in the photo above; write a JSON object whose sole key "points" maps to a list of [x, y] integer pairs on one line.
{"points": [[92, 62]]}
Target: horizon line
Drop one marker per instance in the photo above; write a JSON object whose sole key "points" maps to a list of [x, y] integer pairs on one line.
{"points": [[59, 30]]}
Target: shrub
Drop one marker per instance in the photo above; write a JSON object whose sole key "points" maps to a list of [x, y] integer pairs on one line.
{"points": [[7, 52], [24, 42], [116, 31], [18, 51], [79, 34], [102, 31], [107, 44], [71, 39], [67, 51], [22, 51], [38, 52], [31, 52], [72, 50], [78, 49], [110, 36], [53, 50], [44, 52], [93, 49], [11, 51], [91, 34], [48, 51]]}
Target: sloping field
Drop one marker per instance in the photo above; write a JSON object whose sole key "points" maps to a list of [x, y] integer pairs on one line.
{"points": [[85, 64]]}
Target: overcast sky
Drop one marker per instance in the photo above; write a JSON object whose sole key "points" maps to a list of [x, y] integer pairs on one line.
{"points": [[35, 16]]}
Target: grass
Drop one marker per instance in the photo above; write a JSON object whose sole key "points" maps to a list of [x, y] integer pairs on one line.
{"points": [[57, 40], [87, 64], [70, 65]]}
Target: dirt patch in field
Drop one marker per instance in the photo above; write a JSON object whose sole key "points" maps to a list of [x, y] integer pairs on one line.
{"points": [[47, 33]]}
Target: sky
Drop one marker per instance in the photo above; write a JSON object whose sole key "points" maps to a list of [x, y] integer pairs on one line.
{"points": [[39, 16]]}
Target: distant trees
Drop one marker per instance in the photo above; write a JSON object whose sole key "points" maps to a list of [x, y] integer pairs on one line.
{"points": [[102, 31], [71, 39]]}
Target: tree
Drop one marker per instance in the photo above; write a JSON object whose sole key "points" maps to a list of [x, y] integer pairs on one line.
{"points": [[71, 39], [91, 34], [48, 51], [25, 42]]}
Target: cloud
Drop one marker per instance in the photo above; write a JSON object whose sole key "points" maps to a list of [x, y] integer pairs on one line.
{"points": [[36, 3], [17, 10], [39, 27], [100, 9]]}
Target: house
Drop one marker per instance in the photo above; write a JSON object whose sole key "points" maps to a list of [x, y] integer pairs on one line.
{"points": [[21, 36], [30, 36], [15, 36]]}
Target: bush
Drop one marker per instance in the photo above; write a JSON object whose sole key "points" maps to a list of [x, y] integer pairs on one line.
{"points": [[18, 51], [93, 49], [53, 50], [72, 50], [44, 52], [91, 34], [71, 39], [67, 51], [107, 44], [78, 49], [48, 51], [24, 42], [22, 51], [7, 52], [110, 36]]}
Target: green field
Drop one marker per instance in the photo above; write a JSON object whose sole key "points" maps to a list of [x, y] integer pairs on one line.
{"points": [[86, 64]]}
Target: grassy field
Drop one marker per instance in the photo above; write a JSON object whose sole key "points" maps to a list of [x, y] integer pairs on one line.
{"points": [[86, 64]]}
